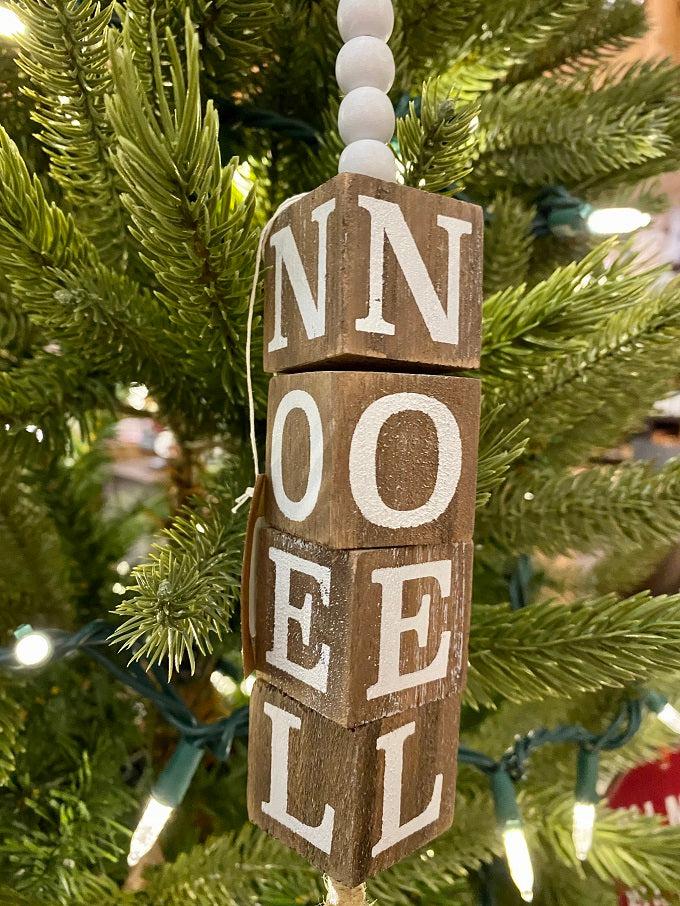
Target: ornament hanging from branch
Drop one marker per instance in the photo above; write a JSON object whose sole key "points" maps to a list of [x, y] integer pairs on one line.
{"points": [[360, 569]]}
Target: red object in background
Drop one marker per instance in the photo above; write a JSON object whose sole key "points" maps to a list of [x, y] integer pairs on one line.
{"points": [[654, 789]]}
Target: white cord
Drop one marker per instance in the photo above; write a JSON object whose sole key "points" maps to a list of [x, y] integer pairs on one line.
{"points": [[264, 235]]}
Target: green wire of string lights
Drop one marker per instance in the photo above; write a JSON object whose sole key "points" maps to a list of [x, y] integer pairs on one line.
{"points": [[34, 648], [512, 767], [37, 648]]}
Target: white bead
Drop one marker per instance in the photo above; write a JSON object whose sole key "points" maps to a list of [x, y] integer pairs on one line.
{"points": [[365, 17], [366, 113], [364, 62], [370, 158]]}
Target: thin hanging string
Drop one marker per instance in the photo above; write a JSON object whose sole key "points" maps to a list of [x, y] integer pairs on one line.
{"points": [[339, 895], [264, 235]]}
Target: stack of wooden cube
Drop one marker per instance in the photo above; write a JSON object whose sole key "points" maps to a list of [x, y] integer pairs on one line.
{"points": [[361, 569]]}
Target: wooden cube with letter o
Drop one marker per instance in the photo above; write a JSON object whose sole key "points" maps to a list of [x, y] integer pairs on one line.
{"points": [[352, 802], [366, 459], [365, 271]]}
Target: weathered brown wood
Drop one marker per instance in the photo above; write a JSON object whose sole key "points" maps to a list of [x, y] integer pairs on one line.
{"points": [[363, 460], [332, 798], [247, 582], [358, 245], [329, 628]]}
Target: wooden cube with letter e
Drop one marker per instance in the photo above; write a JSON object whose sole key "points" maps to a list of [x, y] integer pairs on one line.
{"points": [[362, 271], [364, 459], [361, 634], [352, 802]]}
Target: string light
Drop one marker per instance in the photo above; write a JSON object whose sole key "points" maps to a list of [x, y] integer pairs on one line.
{"points": [[609, 221], [167, 793], [225, 685], [514, 840], [664, 710], [10, 23], [32, 648], [156, 815], [586, 799]]}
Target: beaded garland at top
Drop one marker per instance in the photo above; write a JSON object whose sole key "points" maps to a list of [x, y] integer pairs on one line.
{"points": [[365, 73]]}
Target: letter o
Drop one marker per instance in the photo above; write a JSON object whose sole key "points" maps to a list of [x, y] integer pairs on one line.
{"points": [[297, 510], [363, 472]]}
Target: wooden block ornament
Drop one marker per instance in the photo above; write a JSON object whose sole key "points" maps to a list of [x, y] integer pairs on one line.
{"points": [[362, 460], [352, 802], [359, 635], [359, 580]]}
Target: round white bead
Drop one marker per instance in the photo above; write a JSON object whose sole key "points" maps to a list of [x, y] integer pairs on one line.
{"points": [[366, 113], [364, 62], [365, 17], [370, 158]]}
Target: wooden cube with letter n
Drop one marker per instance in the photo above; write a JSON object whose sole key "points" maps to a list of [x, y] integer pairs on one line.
{"points": [[367, 272], [351, 801]]}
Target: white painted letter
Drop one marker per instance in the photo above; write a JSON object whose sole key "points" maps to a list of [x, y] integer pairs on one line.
{"points": [[320, 836], [284, 612], [393, 831], [287, 255], [388, 223], [297, 510], [393, 625], [363, 466]]}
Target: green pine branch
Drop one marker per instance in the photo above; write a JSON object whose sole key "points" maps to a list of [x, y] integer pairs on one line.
{"points": [[630, 504], [182, 598], [603, 29], [65, 58], [498, 37], [234, 36], [244, 869], [526, 328], [34, 576], [508, 244], [437, 141], [66, 835], [581, 134], [48, 390], [497, 453], [560, 650], [198, 237], [628, 848], [592, 396], [11, 724]]}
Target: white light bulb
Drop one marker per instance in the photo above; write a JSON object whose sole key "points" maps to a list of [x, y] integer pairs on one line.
{"points": [[224, 684], [608, 221], [148, 830], [33, 649], [583, 828], [10, 23], [519, 861], [669, 716]]}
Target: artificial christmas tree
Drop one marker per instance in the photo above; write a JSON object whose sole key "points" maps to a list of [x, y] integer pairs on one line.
{"points": [[166, 135]]}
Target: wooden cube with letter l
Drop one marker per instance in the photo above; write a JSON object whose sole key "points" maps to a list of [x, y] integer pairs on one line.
{"points": [[359, 635], [362, 271], [353, 802], [366, 459]]}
